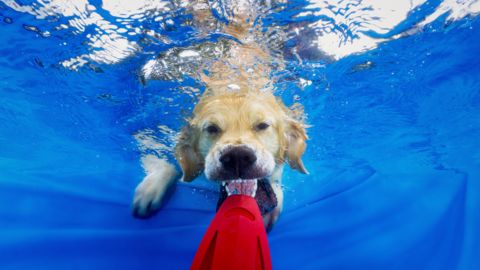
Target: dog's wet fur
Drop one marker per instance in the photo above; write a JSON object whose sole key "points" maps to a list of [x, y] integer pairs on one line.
{"points": [[241, 132]]}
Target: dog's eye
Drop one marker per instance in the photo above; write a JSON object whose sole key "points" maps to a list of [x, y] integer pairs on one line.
{"points": [[261, 126], [212, 129]]}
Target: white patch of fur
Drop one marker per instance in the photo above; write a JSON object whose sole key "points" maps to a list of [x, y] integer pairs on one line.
{"points": [[212, 161], [266, 161]]}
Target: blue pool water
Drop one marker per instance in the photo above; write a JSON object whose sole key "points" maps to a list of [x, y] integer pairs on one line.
{"points": [[391, 91]]}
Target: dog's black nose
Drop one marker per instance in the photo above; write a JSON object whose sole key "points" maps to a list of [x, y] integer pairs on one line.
{"points": [[238, 158]]}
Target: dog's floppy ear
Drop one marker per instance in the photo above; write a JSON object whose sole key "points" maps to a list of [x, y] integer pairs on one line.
{"points": [[187, 154], [296, 136]]}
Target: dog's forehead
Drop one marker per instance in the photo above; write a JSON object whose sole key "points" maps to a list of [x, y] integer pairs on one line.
{"points": [[234, 106], [257, 102]]}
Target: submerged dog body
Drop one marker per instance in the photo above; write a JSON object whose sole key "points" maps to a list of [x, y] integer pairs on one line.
{"points": [[239, 133]]}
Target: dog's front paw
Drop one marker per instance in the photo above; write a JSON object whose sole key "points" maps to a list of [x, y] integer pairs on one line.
{"points": [[148, 197], [150, 192]]}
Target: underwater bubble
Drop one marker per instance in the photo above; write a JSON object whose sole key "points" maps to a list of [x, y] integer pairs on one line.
{"points": [[8, 20]]}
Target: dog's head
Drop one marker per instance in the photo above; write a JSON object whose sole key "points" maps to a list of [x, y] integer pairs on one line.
{"points": [[240, 136]]}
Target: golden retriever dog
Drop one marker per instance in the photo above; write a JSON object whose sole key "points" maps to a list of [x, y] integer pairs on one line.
{"points": [[239, 134]]}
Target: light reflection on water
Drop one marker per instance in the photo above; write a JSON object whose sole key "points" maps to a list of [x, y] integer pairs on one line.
{"points": [[116, 30]]}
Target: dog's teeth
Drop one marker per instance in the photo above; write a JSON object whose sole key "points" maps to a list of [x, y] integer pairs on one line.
{"points": [[254, 191], [237, 186]]}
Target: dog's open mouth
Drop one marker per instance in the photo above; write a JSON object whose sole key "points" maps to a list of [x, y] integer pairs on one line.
{"points": [[260, 189], [241, 187]]}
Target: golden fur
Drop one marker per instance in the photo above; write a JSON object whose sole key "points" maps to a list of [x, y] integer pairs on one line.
{"points": [[238, 98], [236, 114]]}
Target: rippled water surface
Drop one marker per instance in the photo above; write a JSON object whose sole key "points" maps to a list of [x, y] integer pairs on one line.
{"points": [[391, 90]]}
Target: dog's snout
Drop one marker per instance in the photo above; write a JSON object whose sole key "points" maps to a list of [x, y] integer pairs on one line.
{"points": [[237, 159]]}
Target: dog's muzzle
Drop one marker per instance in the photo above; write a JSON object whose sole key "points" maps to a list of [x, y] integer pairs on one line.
{"points": [[239, 162], [243, 171]]}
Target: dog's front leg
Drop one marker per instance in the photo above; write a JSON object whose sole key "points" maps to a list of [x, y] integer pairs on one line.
{"points": [[160, 175]]}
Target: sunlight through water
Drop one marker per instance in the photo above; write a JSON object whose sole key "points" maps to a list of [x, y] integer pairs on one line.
{"points": [[390, 90]]}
